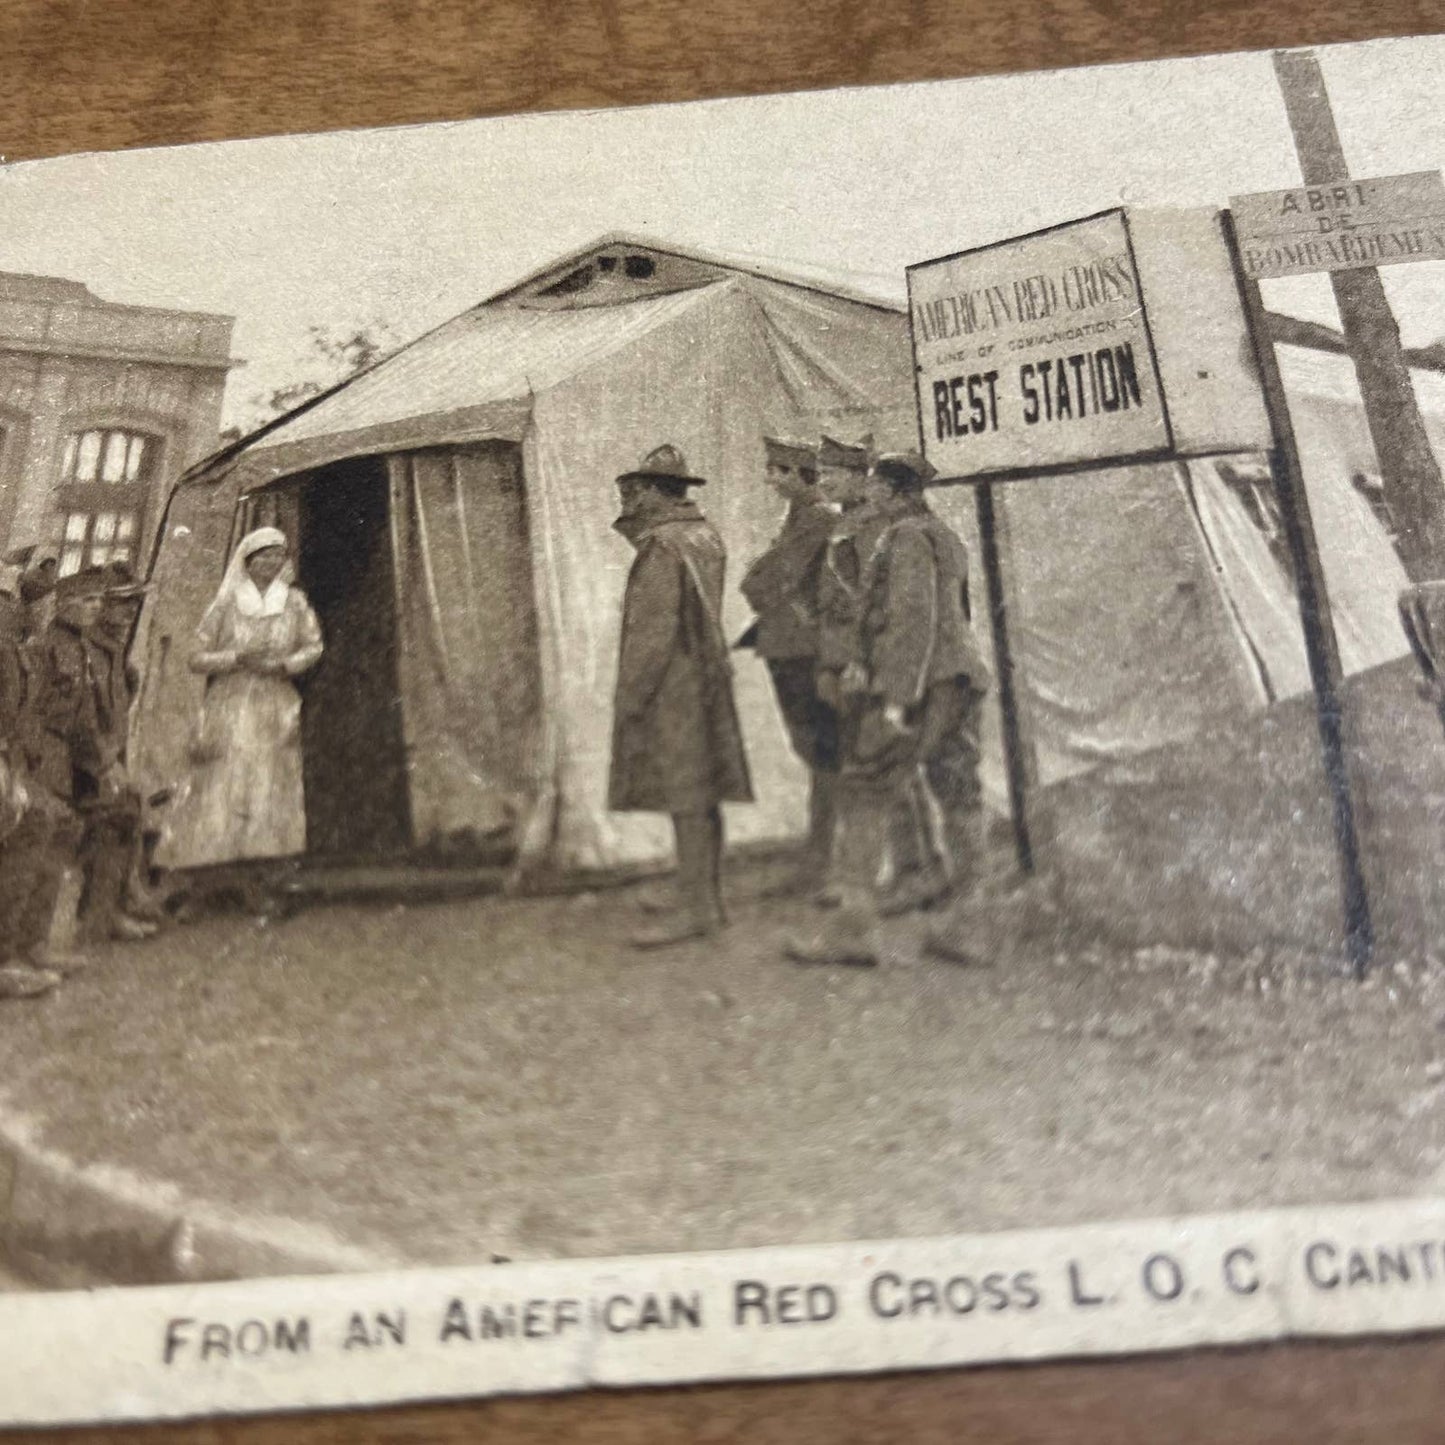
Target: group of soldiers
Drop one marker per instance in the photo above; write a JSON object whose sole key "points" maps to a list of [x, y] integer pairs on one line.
{"points": [[69, 817], [864, 622], [862, 619]]}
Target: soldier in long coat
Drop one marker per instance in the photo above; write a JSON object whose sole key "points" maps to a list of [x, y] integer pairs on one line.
{"points": [[677, 747], [916, 729], [782, 587]]}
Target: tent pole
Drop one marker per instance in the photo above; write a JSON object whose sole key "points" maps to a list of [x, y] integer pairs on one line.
{"points": [[1015, 763], [1321, 644]]}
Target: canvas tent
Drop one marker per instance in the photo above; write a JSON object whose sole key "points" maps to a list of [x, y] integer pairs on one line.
{"points": [[1168, 699], [453, 510]]}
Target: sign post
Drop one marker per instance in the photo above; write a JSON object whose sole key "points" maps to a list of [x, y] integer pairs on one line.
{"points": [[1341, 227], [1347, 226], [1034, 348], [1035, 358], [1321, 644]]}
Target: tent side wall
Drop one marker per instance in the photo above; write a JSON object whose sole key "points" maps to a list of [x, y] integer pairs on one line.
{"points": [[752, 360], [189, 563], [1229, 844]]}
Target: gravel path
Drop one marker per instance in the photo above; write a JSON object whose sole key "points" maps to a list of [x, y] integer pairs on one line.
{"points": [[501, 1076]]}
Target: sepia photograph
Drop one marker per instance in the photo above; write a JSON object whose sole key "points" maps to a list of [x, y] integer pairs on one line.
{"points": [[854, 666]]}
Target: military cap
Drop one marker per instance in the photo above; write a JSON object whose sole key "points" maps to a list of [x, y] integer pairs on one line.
{"points": [[847, 458], [120, 580], [905, 468], [663, 464], [38, 579], [797, 455]]}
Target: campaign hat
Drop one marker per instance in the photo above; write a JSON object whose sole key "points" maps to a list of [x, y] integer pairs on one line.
{"points": [[88, 582], [855, 458], [905, 468], [663, 464]]}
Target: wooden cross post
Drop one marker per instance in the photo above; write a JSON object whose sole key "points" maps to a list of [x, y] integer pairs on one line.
{"points": [[1409, 473]]}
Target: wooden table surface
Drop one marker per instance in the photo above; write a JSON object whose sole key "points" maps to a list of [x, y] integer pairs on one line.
{"points": [[105, 74]]}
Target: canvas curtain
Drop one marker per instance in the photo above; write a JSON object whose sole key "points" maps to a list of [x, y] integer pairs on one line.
{"points": [[1123, 636], [468, 653]]}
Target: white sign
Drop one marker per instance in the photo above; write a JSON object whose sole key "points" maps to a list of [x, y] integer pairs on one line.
{"points": [[1379, 222], [1099, 1289], [1034, 354]]}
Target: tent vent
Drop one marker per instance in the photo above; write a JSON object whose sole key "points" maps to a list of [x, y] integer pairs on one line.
{"points": [[570, 284]]}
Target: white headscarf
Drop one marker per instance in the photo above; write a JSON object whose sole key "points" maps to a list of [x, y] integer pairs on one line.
{"points": [[238, 590]]}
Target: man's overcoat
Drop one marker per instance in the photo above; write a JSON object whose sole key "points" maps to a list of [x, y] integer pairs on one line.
{"points": [[676, 743]]}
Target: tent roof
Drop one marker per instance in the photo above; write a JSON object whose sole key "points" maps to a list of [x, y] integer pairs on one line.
{"points": [[477, 373], [489, 355], [483, 366], [887, 292]]}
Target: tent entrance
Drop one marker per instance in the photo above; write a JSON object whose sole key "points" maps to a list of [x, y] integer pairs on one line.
{"points": [[351, 727]]}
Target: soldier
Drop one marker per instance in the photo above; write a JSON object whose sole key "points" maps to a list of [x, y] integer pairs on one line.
{"points": [[677, 747], [782, 588], [845, 478], [915, 722], [18, 977], [941, 690], [78, 749], [34, 860]]}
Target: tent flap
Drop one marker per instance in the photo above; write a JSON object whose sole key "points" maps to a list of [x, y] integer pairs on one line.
{"points": [[468, 659]]}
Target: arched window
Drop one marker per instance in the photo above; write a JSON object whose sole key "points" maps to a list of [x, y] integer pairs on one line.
{"points": [[105, 475]]}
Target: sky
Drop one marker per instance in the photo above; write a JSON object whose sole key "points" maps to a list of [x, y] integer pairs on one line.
{"points": [[409, 226]]}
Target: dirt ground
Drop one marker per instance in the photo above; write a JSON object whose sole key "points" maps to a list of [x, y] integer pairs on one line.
{"points": [[447, 1082]]}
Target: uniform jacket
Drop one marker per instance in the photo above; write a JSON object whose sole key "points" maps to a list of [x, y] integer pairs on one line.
{"points": [[12, 672], [676, 743], [841, 597], [71, 723], [782, 584], [915, 623]]}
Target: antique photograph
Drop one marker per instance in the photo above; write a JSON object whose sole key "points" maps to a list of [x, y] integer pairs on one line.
{"points": [[818, 668]]}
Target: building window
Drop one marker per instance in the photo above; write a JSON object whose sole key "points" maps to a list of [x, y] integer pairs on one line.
{"points": [[104, 477]]}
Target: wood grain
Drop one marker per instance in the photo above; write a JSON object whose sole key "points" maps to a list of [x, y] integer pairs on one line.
{"points": [[107, 74]]}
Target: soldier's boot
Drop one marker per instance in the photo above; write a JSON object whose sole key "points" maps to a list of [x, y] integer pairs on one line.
{"points": [[966, 831], [18, 981], [922, 875], [46, 931], [47, 958], [925, 887], [698, 911], [849, 934], [657, 898]]}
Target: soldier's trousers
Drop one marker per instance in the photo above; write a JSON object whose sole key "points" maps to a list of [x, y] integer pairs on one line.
{"points": [[951, 745], [106, 854], [813, 730], [699, 841], [33, 860], [812, 724], [921, 806]]}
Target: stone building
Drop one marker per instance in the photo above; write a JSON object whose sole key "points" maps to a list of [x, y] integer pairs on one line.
{"points": [[102, 407]]}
